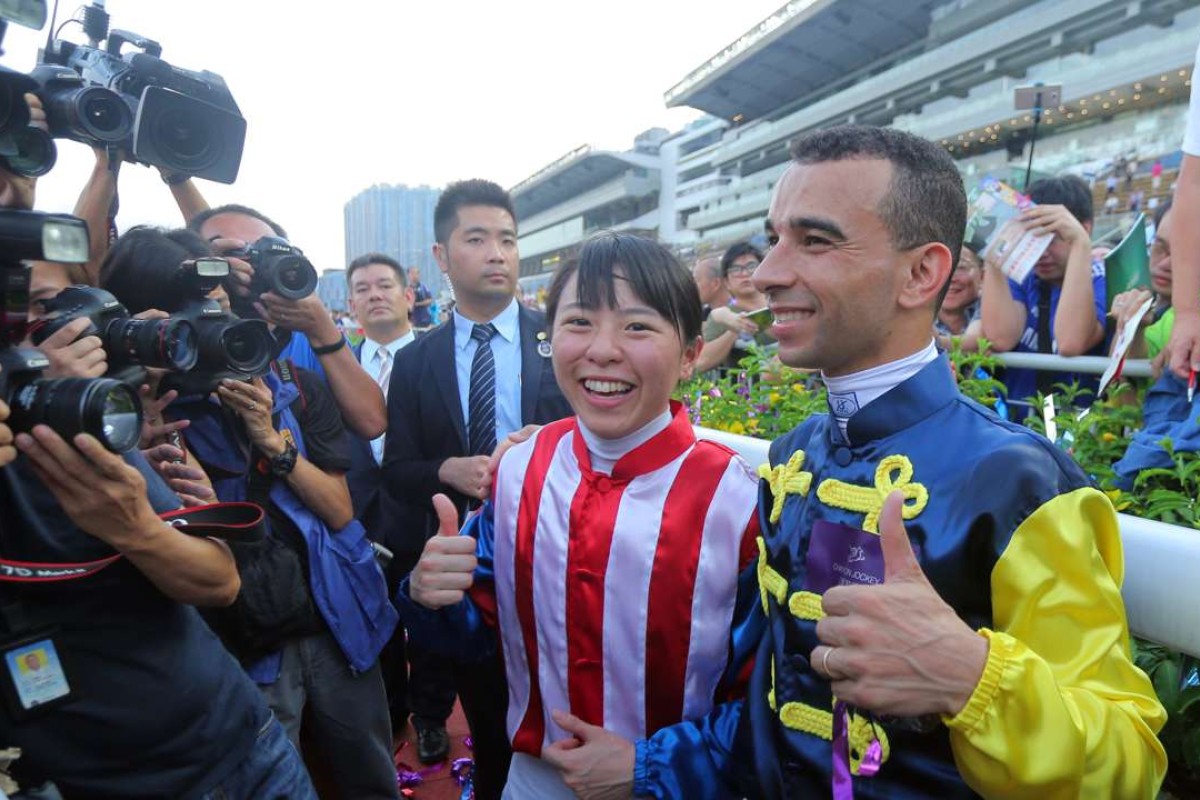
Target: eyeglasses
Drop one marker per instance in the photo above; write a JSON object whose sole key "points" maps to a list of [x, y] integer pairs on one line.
{"points": [[742, 269]]}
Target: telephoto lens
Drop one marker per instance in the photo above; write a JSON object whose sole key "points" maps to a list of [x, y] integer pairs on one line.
{"points": [[162, 343], [159, 343], [102, 407]]}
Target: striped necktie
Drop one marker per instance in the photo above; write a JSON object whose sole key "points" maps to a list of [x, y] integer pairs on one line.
{"points": [[384, 357], [481, 401]]}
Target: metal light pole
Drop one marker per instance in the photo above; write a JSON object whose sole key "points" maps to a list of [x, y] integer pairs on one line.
{"points": [[1035, 98]]}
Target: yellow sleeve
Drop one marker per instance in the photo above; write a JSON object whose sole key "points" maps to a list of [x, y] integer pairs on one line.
{"points": [[1061, 711]]}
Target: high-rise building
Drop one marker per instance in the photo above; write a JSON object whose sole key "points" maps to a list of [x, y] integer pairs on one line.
{"points": [[397, 221]]}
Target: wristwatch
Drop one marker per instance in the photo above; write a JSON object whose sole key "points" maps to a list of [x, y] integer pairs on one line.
{"points": [[282, 465]]}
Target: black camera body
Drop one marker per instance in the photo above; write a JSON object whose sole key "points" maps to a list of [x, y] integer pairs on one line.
{"points": [[182, 121], [161, 343], [227, 348], [279, 267]]}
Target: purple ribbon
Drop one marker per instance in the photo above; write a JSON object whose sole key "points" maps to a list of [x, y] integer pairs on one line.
{"points": [[843, 789], [872, 760]]}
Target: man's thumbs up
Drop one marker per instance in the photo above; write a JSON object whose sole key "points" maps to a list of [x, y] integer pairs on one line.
{"points": [[899, 561], [447, 566]]}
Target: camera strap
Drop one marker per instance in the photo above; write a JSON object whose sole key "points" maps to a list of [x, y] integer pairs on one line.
{"points": [[232, 522]]}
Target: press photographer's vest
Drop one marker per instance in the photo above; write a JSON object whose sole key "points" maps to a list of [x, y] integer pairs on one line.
{"points": [[348, 587]]}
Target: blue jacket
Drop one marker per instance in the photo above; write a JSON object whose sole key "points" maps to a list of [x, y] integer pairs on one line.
{"points": [[347, 584]]}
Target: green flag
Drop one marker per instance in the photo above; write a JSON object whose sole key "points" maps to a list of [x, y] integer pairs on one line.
{"points": [[1127, 266]]}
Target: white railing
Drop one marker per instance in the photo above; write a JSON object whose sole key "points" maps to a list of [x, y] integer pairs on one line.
{"points": [[1161, 588], [1092, 365]]}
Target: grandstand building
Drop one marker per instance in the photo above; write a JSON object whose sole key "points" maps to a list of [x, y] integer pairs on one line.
{"points": [[942, 69]]}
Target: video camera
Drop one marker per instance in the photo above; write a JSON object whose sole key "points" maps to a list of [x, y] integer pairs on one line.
{"points": [[182, 121], [105, 408], [24, 149]]}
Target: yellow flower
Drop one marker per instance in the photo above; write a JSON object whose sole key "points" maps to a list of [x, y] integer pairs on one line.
{"points": [[773, 398], [797, 387], [737, 427], [752, 424], [1108, 437]]}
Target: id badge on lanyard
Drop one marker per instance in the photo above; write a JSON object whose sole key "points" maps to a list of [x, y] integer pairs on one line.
{"points": [[34, 677]]}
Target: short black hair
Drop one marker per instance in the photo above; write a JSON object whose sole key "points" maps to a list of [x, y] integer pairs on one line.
{"points": [[474, 192], [737, 251], [376, 258], [1069, 191], [137, 267], [652, 271], [197, 222], [925, 201]]}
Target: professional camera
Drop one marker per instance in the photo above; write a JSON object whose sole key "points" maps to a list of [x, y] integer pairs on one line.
{"points": [[185, 122], [105, 408], [162, 343], [24, 149], [227, 347], [279, 267]]}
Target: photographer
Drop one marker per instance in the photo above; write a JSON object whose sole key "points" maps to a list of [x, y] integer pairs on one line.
{"points": [[278, 440], [309, 335], [141, 700]]}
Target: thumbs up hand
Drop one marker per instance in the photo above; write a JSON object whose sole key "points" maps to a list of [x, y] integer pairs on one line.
{"points": [[447, 566], [897, 648]]}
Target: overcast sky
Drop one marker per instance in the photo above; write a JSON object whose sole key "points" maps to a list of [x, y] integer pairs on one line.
{"points": [[404, 92]]}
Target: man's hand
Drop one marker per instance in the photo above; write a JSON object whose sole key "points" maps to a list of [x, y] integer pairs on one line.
{"points": [[897, 648], [7, 451], [595, 764], [154, 428], [1058, 221], [74, 359], [1183, 350], [506, 444], [99, 492], [469, 475], [240, 270], [187, 480], [253, 403], [307, 315], [723, 315], [19, 191], [447, 566]]}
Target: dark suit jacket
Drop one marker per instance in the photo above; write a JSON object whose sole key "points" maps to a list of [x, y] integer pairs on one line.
{"points": [[425, 427], [364, 480]]}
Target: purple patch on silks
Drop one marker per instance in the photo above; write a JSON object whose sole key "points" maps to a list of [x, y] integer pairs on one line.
{"points": [[839, 555]]}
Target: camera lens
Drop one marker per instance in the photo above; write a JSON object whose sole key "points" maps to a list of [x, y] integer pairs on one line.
{"points": [[101, 114], [293, 277], [162, 343], [246, 347], [184, 140], [35, 152], [107, 409]]}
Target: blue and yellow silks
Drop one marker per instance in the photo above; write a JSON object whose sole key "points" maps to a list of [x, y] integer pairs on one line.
{"points": [[1011, 535]]}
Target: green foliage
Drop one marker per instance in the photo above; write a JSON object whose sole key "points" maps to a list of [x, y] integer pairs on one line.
{"points": [[1175, 682]]}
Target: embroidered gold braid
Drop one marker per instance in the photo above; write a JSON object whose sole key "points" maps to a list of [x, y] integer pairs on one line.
{"points": [[893, 473], [806, 605], [814, 721], [785, 479], [770, 582]]}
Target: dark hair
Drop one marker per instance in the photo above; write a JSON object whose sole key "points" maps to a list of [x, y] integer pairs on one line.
{"points": [[197, 222], [925, 201], [1161, 212], [1069, 191], [652, 271], [376, 258], [474, 192], [737, 251], [139, 256]]}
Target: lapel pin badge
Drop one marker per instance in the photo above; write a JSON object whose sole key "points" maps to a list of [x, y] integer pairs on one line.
{"points": [[543, 346]]}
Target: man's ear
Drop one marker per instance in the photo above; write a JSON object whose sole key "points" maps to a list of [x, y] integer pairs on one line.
{"points": [[441, 255], [928, 269]]}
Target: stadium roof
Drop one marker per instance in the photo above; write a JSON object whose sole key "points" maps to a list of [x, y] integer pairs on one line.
{"points": [[801, 49], [580, 170]]}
